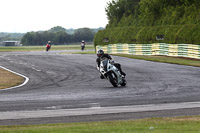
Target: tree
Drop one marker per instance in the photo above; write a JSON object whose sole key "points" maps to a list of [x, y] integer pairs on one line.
{"points": [[116, 9], [57, 29], [62, 38], [83, 34], [123, 13], [58, 36]]}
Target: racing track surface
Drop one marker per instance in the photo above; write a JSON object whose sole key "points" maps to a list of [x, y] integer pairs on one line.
{"points": [[67, 82]]}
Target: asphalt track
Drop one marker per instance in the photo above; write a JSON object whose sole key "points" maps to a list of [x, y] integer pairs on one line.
{"points": [[67, 88]]}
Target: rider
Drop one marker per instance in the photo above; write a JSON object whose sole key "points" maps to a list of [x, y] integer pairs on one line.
{"points": [[100, 55], [48, 46], [82, 45]]}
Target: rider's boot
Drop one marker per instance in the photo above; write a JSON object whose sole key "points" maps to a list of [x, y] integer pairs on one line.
{"points": [[102, 77], [124, 74]]}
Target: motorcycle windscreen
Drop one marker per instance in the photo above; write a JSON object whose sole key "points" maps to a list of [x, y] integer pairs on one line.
{"points": [[105, 62]]}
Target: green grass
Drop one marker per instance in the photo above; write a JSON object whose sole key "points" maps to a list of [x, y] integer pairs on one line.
{"points": [[82, 52], [166, 59], [152, 125], [42, 48]]}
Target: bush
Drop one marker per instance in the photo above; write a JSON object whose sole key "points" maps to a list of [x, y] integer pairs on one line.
{"points": [[189, 34]]}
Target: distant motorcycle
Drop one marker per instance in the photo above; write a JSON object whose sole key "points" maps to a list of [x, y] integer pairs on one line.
{"points": [[82, 46], [111, 72], [48, 47]]}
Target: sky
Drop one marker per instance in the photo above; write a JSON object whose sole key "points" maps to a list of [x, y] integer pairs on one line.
{"points": [[21, 16]]}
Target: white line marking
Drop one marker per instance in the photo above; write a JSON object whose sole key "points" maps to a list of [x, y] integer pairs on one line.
{"points": [[95, 111], [95, 105], [38, 70], [25, 82]]}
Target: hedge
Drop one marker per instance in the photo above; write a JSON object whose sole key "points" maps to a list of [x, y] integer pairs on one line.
{"points": [[173, 34]]}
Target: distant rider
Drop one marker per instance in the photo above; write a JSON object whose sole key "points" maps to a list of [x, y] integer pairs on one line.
{"points": [[101, 55], [48, 46], [82, 45]]}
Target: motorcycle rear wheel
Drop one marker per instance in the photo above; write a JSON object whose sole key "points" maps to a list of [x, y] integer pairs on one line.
{"points": [[124, 82]]}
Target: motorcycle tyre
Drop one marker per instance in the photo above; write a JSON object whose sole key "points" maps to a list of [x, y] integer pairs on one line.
{"points": [[47, 49], [124, 83], [112, 80], [82, 48]]}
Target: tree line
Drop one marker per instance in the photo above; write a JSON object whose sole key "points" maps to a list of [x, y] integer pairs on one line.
{"points": [[123, 13], [10, 36], [141, 21], [58, 35]]}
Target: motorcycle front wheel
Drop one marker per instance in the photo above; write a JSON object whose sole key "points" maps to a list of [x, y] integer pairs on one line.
{"points": [[113, 79]]}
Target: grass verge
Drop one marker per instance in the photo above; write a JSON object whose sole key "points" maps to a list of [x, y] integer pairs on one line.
{"points": [[151, 125], [166, 59], [163, 59], [42, 48], [8, 79], [82, 52]]}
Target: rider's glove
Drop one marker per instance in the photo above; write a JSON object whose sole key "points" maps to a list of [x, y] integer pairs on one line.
{"points": [[98, 67], [112, 62]]}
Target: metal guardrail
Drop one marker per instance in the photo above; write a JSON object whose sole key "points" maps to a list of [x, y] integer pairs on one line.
{"points": [[183, 50]]}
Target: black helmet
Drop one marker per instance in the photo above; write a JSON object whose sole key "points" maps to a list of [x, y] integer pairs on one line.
{"points": [[100, 53]]}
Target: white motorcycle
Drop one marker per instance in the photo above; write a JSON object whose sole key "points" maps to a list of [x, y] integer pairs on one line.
{"points": [[111, 72]]}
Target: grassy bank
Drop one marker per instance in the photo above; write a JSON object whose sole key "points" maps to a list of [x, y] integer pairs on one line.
{"points": [[152, 125], [163, 59], [42, 48], [8, 79], [82, 52], [166, 59]]}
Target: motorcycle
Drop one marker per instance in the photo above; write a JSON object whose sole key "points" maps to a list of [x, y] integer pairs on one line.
{"points": [[112, 73], [48, 47], [82, 46]]}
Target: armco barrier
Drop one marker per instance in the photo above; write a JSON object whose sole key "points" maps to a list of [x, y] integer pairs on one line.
{"points": [[183, 50]]}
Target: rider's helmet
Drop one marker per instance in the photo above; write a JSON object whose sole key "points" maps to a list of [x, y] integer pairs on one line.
{"points": [[83, 41], [100, 53]]}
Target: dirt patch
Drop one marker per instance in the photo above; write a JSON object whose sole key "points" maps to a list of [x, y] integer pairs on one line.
{"points": [[8, 79]]}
